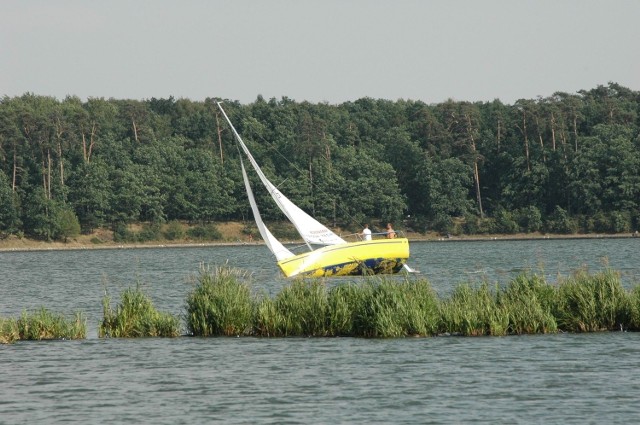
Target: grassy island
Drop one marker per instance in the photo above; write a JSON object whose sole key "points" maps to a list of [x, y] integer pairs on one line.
{"points": [[222, 303]]}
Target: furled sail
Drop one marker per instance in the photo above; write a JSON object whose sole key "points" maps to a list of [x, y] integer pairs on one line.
{"points": [[312, 231]]}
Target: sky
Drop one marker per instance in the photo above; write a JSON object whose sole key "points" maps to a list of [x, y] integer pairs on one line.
{"points": [[331, 51]]}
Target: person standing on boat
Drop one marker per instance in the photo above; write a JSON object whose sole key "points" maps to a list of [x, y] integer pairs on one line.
{"points": [[366, 233], [390, 232]]}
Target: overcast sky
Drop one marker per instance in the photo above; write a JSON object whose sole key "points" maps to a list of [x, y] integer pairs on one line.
{"points": [[321, 51]]}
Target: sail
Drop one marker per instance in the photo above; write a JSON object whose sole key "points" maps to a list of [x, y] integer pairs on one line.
{"points": [[312, 231], [272, 243]]}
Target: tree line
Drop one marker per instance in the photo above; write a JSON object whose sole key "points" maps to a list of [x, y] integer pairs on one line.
{"points": [[563, 164]]}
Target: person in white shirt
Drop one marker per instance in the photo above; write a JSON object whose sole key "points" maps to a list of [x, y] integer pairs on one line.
{"points": [[366, 233]]}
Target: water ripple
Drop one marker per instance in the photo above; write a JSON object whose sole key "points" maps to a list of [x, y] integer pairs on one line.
{"points": [[561, 378]]}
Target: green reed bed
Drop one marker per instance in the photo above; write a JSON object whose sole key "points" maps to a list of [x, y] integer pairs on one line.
{"points": [[529, 303], [634, 309], [523, 306], [136, 316], [42, 325], [383, 307], [8, 331], [300, 309], [474, 311], [221, 304], [590, 303]]}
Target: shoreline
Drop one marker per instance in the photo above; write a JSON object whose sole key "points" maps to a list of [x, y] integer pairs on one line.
{"points": [[28, 245]]}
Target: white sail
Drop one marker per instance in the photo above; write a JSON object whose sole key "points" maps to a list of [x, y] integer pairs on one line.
{"points": [[272, 243], [312, 231]]}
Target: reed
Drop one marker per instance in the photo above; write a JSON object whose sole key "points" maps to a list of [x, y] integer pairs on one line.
{"points": [[384, 308], [590, 303], [342, 302], [377, 308], [221, 304], [300, 309], [8, 331], [421, 308], [474, 311], [45, 325], [529, 302], [136, 317], [634, 310], [268, 319]]}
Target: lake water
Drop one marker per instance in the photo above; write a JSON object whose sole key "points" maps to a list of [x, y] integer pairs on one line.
{"points": [[564, 378]]}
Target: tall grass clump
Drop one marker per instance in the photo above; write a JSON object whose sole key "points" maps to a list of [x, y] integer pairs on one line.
{"points": [[590, 303], [136, 317], [376, 309], [221, 304], [8, 331], [342, 303], [421, 308], [529, 302], [634, 309], [44, 325], [268, 319], [474, 311], [386, 308], [300, 309]]}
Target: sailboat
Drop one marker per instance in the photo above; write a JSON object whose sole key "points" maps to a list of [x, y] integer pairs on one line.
{"points": [[328, 254]]}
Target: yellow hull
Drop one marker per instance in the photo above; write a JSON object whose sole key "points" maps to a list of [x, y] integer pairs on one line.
{"points": [[380, 256]]}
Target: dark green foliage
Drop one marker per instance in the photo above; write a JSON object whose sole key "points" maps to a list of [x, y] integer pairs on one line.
{"points": [[149, 232], [563, 164], [208, 232], [529, 219], [9, 217], [121, 233], [68, 225], [505, 223], [561, 222], [441, 223], [174, 231]]}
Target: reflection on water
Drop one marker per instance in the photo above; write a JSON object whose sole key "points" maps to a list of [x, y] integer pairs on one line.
{"points": [[540, 378]]}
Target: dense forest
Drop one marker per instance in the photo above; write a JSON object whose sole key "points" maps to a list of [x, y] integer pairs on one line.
{"points": [[562, 164]]}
